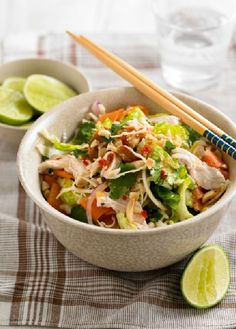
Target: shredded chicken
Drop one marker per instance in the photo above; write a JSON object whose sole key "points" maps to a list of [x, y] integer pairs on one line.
{"points": [[127, 133], [120, 205], [105, 133], [165, 118], [138, 124], [205, 176], [212, 196], [69, 163], [113, 169]]}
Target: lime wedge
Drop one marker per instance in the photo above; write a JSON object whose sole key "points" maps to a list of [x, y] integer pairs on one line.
{"points": [[206, 277], [14, 110], [26, 125], [15, 83], [44, 92]]}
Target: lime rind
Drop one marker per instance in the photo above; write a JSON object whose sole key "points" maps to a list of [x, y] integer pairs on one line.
{"points": [[21, 98], [198, 290], [16, 83], [44, 92], [14, 109], [26, 125]]}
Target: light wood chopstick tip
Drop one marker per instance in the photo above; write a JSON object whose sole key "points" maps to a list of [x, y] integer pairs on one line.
{"points": [[74, 36]]}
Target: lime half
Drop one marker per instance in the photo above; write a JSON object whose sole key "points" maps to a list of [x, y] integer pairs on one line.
{"points": [[44, 92], [206, 277], [14, 110], [26, 125], [15, 83]]}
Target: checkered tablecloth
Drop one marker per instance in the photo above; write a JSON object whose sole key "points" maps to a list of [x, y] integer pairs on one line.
{"points": [[42, 284]]}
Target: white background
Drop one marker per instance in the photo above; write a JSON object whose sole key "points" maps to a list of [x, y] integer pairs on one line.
{"points": [[96, 16], [87, 16]]}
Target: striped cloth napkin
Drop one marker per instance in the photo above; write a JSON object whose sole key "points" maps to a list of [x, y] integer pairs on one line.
{"points": [[44, 285]]}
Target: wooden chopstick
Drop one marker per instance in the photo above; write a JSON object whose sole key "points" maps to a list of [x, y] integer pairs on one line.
{"points": [[160, 96], [187, 109]]}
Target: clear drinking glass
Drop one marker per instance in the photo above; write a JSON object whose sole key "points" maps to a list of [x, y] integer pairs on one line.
{"points": [[193, 39]]}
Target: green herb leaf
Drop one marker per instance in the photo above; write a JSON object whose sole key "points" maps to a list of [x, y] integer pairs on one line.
{"points": [[193, 135], [120, 186], [161, 156], [115, 128], [168, 197], [44, 158], [154, 214], [80, 153], [156, 173], [85, 132], [182, 172], [169, 146], [79, 214], [126, 167]]}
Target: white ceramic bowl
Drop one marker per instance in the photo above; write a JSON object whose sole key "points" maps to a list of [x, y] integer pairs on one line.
{"points": [[121, 250], [67, 73]]}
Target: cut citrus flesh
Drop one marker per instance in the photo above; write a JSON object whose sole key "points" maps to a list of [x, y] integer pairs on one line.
{"points": [[206, 277], [44, 92], [14, 110], [15, 83]]}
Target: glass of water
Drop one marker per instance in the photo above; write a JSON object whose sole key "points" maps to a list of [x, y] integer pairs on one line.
{"points": [[193, 39]]}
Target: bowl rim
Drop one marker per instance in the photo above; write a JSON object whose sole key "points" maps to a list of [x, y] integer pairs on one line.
{"points": [[43, 204], [43, 59]]}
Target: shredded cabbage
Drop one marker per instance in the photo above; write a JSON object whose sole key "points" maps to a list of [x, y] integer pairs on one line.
{"points": [[124, 222], [69, 197], [134, 113], [177, 133], [182, 212], [65, 146]]}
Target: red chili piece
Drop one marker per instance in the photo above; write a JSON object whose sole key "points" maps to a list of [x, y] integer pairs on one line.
{"points": [[103, 162], [163, 174], [144, 214], [146, 150], [86, 162]]}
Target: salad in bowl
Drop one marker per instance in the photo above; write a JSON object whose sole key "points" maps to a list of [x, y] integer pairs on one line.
{"points": [[128, 169]]}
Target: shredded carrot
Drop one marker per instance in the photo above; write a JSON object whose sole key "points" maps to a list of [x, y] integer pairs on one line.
{"points": [[83, 202], [114, 116], [144, 109], [119, 114], [108, 220], [198, 193], [62, 173], [52, 197], [50, 179], [197, 198], [97, 212], [211, 159]]}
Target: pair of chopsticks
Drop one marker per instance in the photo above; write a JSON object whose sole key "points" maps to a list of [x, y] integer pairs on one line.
{"points": [[160, 96]]}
